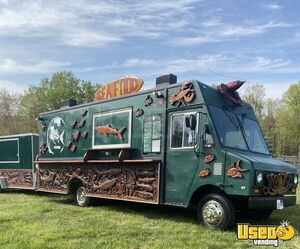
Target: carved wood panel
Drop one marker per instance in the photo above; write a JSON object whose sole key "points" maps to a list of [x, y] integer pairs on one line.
{"points": [[127, 181], [18, 177]]}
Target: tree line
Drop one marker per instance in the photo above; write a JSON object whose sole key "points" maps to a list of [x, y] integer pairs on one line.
{"points": [[278, 118], [18, 112]]}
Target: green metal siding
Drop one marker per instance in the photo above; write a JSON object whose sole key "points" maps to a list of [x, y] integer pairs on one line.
{"points": [[18, 147]]}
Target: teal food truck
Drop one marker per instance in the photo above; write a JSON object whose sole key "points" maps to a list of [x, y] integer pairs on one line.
{"points": [[183, 145]]}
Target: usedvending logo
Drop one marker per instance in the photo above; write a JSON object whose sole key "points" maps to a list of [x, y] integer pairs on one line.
{"points": [[266, 235], [56, 135]]}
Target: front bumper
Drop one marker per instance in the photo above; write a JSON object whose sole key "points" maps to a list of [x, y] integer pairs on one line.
{"points": [[271, 202]]}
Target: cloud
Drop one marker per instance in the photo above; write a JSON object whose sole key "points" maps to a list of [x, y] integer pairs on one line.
{"points": [[93, 23], [9, 66], [225, 32], [272, 6], [217, 62], [12, 87]]}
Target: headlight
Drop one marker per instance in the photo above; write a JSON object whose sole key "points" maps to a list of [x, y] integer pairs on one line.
{"points": [[295, 180], [259, 177]]}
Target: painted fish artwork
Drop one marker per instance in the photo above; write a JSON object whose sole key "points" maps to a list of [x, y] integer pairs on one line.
{"points": [[107, 130], [235, 170]]}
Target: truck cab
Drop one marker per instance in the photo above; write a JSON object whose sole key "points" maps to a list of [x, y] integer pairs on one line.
{"points": [[218, 159]]}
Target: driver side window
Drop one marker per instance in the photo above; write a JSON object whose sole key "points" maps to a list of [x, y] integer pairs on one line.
{"points": [[184, 130]]}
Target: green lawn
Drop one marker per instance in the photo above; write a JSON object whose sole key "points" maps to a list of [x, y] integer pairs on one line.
{"points": [[40, 220]]}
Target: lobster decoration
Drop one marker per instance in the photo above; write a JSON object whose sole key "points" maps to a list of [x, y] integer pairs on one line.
{"points": [[186, 94]]}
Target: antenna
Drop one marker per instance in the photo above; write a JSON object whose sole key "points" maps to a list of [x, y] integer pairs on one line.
{"points": [[224, 75]]}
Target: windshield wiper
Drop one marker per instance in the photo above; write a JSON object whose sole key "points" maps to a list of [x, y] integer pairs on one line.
{"points": [[243, 119]]}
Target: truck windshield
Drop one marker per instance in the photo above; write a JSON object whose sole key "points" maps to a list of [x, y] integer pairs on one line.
{"points": [[253, 135], [238, 131]]}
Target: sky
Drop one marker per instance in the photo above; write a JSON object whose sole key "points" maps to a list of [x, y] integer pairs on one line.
{"points": [[213, 41]]}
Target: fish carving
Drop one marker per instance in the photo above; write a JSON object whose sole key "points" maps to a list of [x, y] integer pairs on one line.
{"points": [[229, 91], [105, 185], [235, 170], [107, 130]]}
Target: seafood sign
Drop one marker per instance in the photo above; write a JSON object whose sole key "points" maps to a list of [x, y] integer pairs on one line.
{"points": [[116, 88], [107, 130], [186, 94]]}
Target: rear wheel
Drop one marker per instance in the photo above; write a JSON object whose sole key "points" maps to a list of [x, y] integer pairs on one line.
{"points": [[81, 198], [216, 211]]}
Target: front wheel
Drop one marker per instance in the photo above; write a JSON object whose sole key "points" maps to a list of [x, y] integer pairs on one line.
{"points": [[81, 199], [216, 211]]}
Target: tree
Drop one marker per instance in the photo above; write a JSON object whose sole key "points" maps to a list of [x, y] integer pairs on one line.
{"points": [[10, 122], [49, 94], [268, 122], [289, 121], [254, 95]]}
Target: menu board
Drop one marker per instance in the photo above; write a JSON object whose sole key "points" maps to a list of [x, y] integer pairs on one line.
{"points": [[152, 134]]}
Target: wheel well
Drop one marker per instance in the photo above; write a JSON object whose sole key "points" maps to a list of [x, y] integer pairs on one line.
{"points": [[204, 190], [74, 184]]}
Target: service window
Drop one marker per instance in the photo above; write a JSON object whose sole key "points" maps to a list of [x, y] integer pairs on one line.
{"points": [[184, 130], [152, 131]]}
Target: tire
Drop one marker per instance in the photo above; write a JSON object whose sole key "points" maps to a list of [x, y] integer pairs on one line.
{"points": [[216, 211], [80, 197]]}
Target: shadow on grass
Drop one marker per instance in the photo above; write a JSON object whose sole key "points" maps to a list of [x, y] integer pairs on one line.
{"points": [[290, 213], [177, 214], [150, 211]]}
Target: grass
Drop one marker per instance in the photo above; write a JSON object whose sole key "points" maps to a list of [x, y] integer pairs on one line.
{"points": [[40, 220]]}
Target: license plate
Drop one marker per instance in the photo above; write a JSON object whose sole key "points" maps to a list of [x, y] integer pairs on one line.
{"points": [[279, 204]]}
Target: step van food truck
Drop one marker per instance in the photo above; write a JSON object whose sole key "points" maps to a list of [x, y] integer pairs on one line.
{"points": [[179, 144]]}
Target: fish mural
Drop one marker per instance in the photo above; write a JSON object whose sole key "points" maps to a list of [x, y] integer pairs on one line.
{"points": [[108, 130], [235, 170]]}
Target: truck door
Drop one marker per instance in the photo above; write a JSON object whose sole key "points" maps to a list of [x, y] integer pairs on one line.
{"points": [[181, 160]]}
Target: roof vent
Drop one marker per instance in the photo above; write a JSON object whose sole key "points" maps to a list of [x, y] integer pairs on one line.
{"points": [[166, 79], [68, 103]]}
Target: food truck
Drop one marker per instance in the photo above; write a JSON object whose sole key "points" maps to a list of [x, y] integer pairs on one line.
{"points": [[179, 144]]}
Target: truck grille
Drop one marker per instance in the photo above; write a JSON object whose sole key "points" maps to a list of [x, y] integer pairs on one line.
{"points": [[277, 184]]}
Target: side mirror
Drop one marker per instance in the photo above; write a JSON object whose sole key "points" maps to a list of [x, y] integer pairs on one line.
{"points": [[208, 141], [187, 122], [193, 122], [206, 129]]}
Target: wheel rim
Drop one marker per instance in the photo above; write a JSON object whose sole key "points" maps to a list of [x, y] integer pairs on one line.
{"points": [[213, 213], [81, 196]]}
